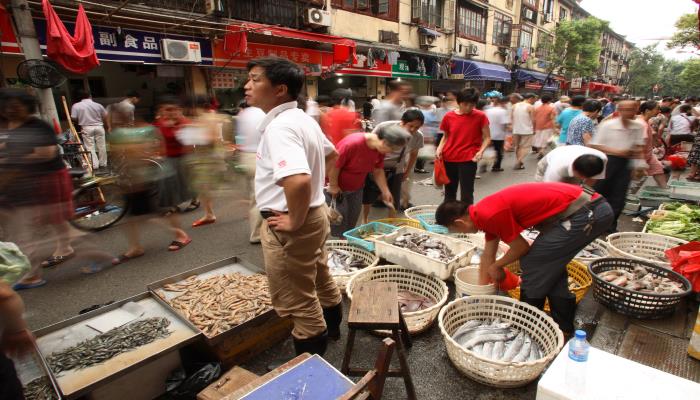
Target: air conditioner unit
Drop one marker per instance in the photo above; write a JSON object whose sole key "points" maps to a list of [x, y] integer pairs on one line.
{"points": [[472, 50], [427, 40], [317, 17], [529, 14], [180, 50]]}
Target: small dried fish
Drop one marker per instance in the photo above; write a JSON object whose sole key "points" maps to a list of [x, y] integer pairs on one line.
{"points": [[426, 245], [39, 389], [109, 344], [341, 262]]}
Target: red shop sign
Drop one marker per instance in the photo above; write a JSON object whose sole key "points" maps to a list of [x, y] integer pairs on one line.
{"points": [[297, 54]]}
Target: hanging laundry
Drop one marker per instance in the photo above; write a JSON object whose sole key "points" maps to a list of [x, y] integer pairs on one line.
{"points": [[236, 40], [370, 59], [393, 57], [381, 55], [76, 52], [435, 70], [361, 59], [421, 67], [413, 64]]}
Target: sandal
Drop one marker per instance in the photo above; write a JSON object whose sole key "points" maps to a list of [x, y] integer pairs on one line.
{"points": [[55, 260], [24, 286], [96, 267], [124, 258], [202, 222], [192, 206], [176, 245]]}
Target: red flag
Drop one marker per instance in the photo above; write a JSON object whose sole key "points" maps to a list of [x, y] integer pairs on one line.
{"points": [[76, 53], [236, 40]]}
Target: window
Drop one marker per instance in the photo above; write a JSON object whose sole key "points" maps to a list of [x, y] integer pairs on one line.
{"points": [[502, 28], [544, 44], [525, 37], [386, 9], [530, 3], [471, 22], [428, 12], [548, 7], [563, 14]]}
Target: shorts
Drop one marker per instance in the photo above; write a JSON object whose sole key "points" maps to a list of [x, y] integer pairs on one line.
{"points": [[523, 141], [371, 191]]}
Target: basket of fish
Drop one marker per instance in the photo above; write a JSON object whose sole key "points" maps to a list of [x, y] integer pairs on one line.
{"points": [[425, 252], [479, 241], [365, 235], [421, 296], [579, 280], [345, 260], [467, 282], [499, 341], [648, 247], [636, 288], [595, 250], [399, 222]]}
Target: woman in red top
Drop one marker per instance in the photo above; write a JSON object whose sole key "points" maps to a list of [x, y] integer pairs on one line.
{"points": [[466, 137]]}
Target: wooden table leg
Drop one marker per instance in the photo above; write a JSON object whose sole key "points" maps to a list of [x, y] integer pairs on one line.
{"points": [[345, 368], [405, 371], [405, 335]]}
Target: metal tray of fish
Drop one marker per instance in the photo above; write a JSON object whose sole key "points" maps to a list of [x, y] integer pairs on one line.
{"points": [[77, 331], [37, 381], [461, 253], [223, 267]]}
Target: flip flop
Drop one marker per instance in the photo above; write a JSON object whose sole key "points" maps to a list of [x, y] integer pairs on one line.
{"points": [[121, 259], [179, 245], [202, 222], [55, 260], [24, 286], [96, 267]]}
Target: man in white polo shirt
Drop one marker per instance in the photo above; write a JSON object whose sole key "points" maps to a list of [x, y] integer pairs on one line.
{"points": [[572, 164], [289, 180], [90, 116]]}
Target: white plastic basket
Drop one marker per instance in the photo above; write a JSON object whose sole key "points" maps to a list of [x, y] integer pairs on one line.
{"points": [[465, 285], [648, 247], [412, 281], [418, 262], [413, 212], [598, 244], [479, 241], [342, 279], [524, 317]]}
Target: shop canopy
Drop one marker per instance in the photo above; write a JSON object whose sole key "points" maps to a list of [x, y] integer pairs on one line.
{"points": [[603, 87], [480, 71], [526, 75]]}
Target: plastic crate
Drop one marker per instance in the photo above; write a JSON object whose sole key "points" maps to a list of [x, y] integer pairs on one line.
{"points": [[355, 236], [428, 223], [653, 196]]}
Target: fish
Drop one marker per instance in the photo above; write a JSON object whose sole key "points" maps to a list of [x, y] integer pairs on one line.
{"points": [[488, 349], [426, 245], [481, 330], [524, 352], [412, 302], [497, 340], [639, 279], [535, 352], [500, 335], [341, 261], [591, 251], [514, 348], [39, 389], [497, 351]]}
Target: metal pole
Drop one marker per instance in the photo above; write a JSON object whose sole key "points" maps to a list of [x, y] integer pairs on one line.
{"points": [[30, 46]]}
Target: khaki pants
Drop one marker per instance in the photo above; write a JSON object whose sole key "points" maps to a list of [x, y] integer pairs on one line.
{"points": [[300, 282], [254, 218]]}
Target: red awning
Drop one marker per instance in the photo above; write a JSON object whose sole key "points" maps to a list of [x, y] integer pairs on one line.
{"points": [[8, 40]]}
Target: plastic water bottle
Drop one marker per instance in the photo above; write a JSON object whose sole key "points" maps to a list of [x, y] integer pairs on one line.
{"points": [[576, 364]]}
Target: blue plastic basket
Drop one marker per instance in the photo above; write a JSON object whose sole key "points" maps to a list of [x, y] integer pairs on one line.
{"points": [[428, 223], [354, 236]]}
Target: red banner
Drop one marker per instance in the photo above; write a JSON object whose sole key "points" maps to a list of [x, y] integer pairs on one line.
{"points": [[299, 55], [7, 34]]}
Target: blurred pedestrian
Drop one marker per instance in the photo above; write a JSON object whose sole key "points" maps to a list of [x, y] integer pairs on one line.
{"points": [[582, 127], [338, 121], [448, 103], [522, 117], [565, 117], [122, 114], [467, 135], [648, 110], [499, 126], [659, 124], [247, 122], [394, 104], [545, 117], [16, 340], [91, 116], [611, 107], [682, 125], [563, 103]]}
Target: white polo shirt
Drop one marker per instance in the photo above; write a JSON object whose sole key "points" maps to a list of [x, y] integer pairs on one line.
{"points": [[612, 133], [558, 164], [292, 143]]}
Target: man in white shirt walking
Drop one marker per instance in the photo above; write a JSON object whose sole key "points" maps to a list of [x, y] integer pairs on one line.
{"points": [[522, 117], [90, 116], [500, 125], [289, 180]]}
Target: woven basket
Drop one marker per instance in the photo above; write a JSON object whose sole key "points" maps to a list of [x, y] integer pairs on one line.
{"points": [[464, 286], [479, 241], [647, 247], [633, 303], [412, 281], [598, 244], [575, 269], [414, 212], [399, 222], [342, 279], [524, 317]]}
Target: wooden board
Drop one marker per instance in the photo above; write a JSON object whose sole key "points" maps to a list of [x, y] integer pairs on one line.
{"points": [[374, 306], [227, 384], [238, 394]]}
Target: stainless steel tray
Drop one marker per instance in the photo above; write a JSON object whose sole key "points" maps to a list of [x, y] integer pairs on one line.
{"points": [[75, 383], [222, 267], [32, 366]]}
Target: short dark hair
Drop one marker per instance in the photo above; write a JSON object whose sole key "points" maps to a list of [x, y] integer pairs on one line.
{"points": [[591, 106], [647, 105], [168, 100], [133, 93], [685, 108], [529, 96], [281, 71], [449, 211], [546, 98], [413, 115], [665, 110], [578, 100], [469, 95], [589, 165], [83, 94], [397, 85], [481, 104], [25, 98]]}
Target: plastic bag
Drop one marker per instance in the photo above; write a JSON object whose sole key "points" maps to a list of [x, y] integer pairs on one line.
{"points": [[685, 259], [13, 263], [181, 387], [334, 216], [440, 174]]}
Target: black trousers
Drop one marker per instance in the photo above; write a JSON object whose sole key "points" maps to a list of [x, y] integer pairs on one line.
{"points": [[462, 175], [10, 387], [498, 146], [615, 185]]}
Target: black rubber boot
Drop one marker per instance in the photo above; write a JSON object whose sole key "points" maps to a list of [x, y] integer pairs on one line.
{"points": [[563, 312], [333, 316], [312, 345]]}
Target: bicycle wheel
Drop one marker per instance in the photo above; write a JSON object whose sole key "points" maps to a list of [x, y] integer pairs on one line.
{"points": [[98, 206]]}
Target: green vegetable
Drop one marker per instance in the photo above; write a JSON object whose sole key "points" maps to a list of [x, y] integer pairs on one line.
{"points": [[679, 220], [13, 263]]}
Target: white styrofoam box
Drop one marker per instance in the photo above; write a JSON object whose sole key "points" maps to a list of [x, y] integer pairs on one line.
{"points": [[418, 262]]}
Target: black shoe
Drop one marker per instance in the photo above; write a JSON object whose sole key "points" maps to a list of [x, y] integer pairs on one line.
{"points": [[496, 169], [421, 171], [333, 316], [312, 345]]}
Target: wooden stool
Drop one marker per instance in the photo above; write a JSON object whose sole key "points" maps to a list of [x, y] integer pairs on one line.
{"points": [[375, 305]]}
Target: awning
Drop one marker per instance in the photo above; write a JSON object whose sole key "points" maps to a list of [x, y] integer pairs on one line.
{"points": [[427, 31], [603, 87], [480, 71], [526, 75]]}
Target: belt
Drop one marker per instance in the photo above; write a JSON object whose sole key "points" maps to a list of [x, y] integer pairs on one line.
{"points": [[265, 214]]}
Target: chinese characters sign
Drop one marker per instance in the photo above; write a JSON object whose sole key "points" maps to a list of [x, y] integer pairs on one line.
{"points": [[112, 44], [304, 57]]}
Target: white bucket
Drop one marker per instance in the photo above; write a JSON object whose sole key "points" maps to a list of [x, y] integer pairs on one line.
{"points": [[466, 283]]}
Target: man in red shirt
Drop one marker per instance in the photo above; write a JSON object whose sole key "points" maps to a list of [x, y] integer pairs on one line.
{"points": [[466, 137], [358, 155], [339, 121], [568, 217]]}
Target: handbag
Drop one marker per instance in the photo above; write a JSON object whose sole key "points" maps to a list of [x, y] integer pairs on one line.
{"points": [[440, 174]]}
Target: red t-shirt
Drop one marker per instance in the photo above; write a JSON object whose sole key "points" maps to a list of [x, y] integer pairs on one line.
{"points": [[338, 122], [506, 213], [355, 161], [173, 148], [463, 133]]}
